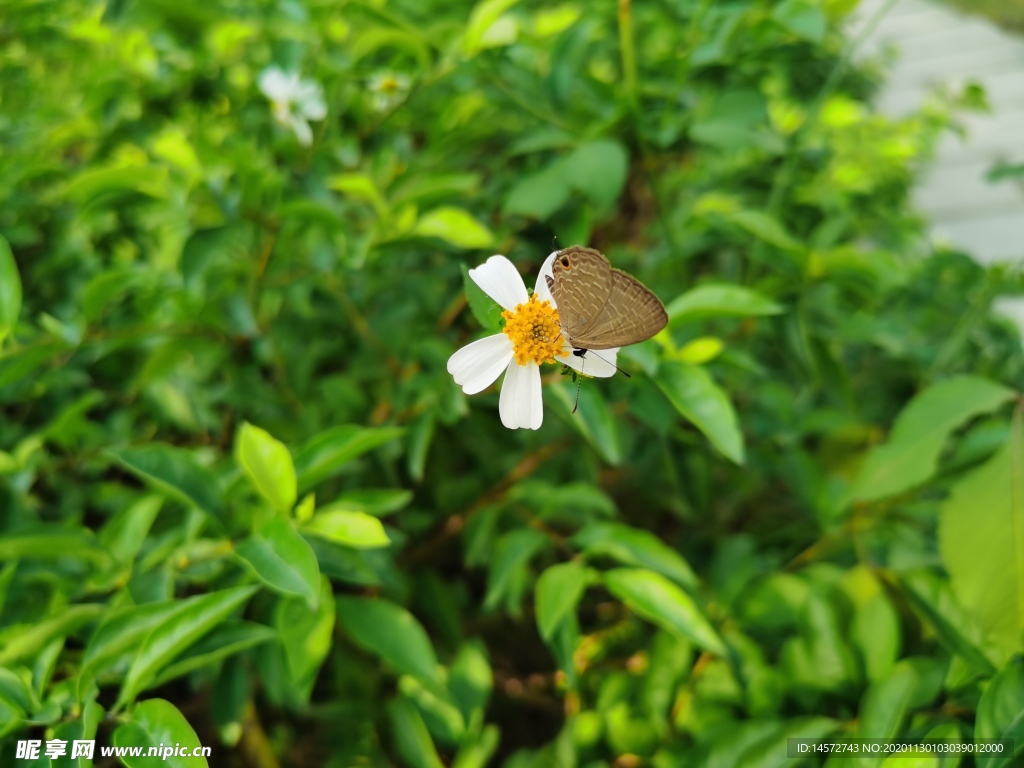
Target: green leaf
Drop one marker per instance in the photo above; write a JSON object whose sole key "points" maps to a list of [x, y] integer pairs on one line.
{"points": [[885, 704], [454, 225], [414, 188], [699, 351], [876, 631], [305, 508], [378, 502], [598, 170], [413, 41], [53, 543], [26, 643], [150, 180], [81, 728], [121, 633], [653, 597], [1002, 171], [593, 418], [803, 18], [733, 119], [559, 589], [442, 717], [268, 465], [540, 194], [920, 432], [635, 546], [10, 291], [174, 472], [764, 227], [710, 300], [486, 311], [154, 722], [106, 290], [360, 187], [190, 619], [324, 455], [421, 436], [124, 534], [719, 30], [511, 556], [767, 747], [478, 753], [629, 732], [281, 559], [982, 545], [225, 640], [350, 529], [1001, 715], [931, 598], [207, 249], [384, 629], [819, 657], [470, 679], [696, 396], [306, 636], [483, 16], [412, 738], [15, 689], [18, 363]]}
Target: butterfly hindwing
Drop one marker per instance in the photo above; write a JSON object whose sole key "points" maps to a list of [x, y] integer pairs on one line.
{"points": [[631, 314]]}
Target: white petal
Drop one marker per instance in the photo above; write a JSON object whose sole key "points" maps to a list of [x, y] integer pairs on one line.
{"points": [[520, 402], [276, 84], [600, 363], [309, 98], [499, 279], [476, 366], [302, 130], [541, 289]]}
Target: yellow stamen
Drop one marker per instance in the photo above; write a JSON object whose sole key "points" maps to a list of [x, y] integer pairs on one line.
{"points": [[534, 330]]}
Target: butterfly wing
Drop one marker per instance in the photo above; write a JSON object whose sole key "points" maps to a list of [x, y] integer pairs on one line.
{"points": [[580, 286], [631, 314]]}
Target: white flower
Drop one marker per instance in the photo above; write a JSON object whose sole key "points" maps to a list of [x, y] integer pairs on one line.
{"points": [[532, 335], [388, 89], [294, 101]]}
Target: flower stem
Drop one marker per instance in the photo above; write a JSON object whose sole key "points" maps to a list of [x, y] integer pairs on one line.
{"points": [[628, 53]]}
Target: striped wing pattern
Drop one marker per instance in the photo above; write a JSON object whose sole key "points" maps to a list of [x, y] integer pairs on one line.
{"points": [[600, 307], [631, 315], [580, 290]]}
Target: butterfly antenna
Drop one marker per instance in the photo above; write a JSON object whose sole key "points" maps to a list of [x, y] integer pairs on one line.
{"points": [[613, 365]]}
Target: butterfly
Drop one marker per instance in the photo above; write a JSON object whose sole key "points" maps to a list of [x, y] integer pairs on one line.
{"points": [[600, 307]]}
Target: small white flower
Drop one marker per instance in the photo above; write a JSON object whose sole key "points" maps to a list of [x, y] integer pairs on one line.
{"points": [[388, 89], [294, 101], [532, 335]]}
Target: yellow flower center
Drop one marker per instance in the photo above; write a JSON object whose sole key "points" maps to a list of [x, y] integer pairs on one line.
{"points": [[389, 84], [534, 330]]}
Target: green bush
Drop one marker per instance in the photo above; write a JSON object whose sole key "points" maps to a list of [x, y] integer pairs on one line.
{"points": [[243, 504]]}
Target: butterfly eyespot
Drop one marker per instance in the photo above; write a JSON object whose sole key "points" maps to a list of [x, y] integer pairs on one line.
{"points": [[565, 262]]}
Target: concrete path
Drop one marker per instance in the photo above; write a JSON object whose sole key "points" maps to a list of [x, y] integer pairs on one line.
{"points": [[937, 46]]}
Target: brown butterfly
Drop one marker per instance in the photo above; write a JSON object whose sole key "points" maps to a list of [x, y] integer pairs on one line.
{"points": [[601, 307]]}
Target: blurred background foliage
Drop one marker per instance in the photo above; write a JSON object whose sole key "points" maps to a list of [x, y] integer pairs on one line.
{"points": [[242, 502], [1006, 13]]}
